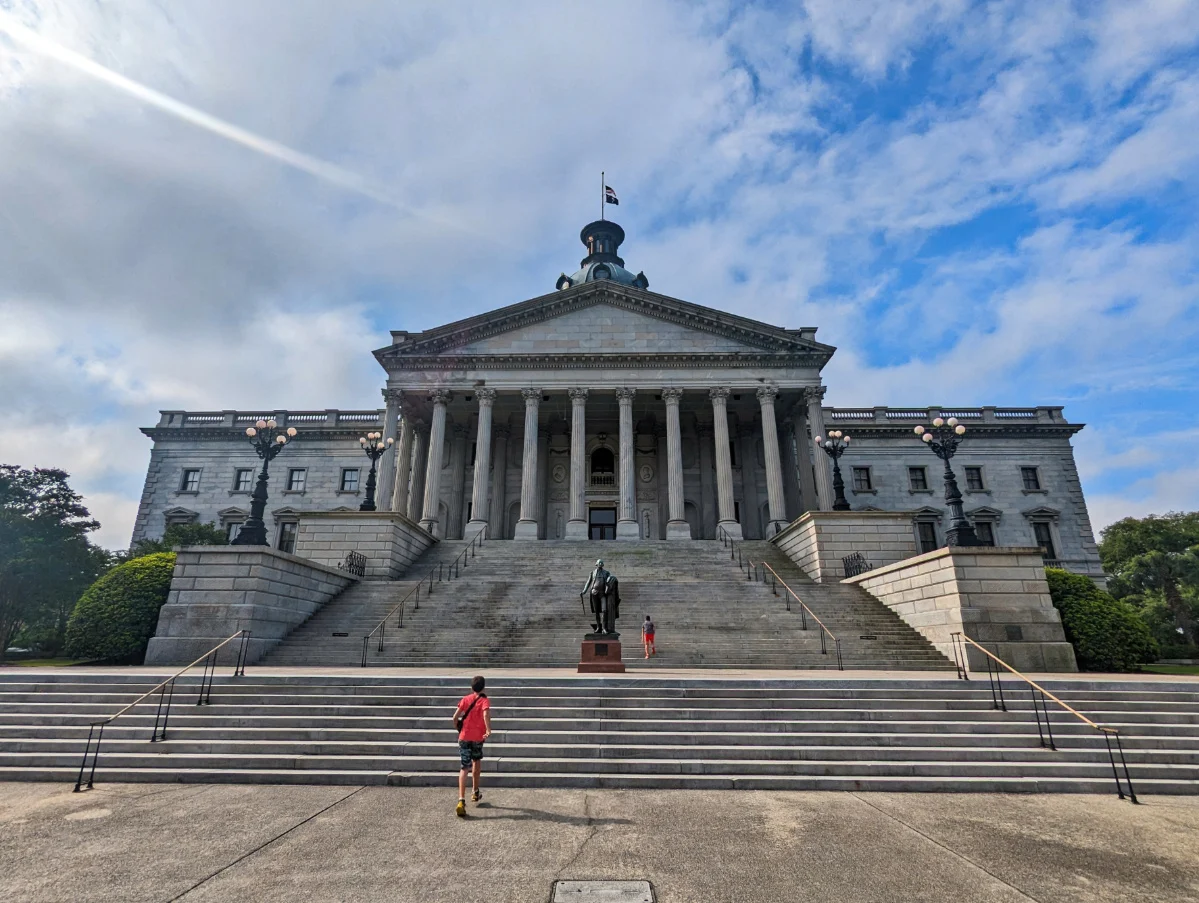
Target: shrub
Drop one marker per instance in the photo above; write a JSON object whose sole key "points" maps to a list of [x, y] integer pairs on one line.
{"points": [[1107, 635], [116, 616]]}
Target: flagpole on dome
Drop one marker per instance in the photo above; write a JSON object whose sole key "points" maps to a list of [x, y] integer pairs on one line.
{"points": [[603, 190]]}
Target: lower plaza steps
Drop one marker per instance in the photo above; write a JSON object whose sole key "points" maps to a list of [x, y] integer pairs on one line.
{"points": [[633, 731], [516, 604]]}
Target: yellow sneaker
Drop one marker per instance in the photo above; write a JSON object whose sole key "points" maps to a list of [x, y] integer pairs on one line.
{"points": [[460, 809]]}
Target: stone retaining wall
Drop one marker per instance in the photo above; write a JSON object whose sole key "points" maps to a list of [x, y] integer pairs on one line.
{"points": [[996, 596], [218, 590], [818, 540], [388, 540]]}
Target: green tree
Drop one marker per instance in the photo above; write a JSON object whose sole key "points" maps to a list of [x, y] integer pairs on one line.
{"points": [[46, 557], [180, 535], [1155, 554], [114, 620]]}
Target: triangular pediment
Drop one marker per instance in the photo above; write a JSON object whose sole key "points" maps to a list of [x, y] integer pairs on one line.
{"points": [[1042, 511], [986, 512], [605, 318]]}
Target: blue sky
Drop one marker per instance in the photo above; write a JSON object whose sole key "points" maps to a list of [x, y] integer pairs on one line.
{"points": [[977, 203]]}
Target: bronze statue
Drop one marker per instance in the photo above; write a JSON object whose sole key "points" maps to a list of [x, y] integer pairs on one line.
{"points": [[604, 591]]}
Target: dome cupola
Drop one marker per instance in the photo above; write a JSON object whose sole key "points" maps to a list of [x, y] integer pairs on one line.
{"points": [[602, 239]]}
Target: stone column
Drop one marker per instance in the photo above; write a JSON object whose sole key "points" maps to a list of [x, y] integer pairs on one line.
{"points": [[724, 464], [399, 495], [420, 445], [385, 487], [814, 396], [576, 526], [774, 467], [677, 526], [543, 482], [526, 527], [790, 471], [626, 521], [428, 520], [499, 493], [663, 466], [808, 500], [747, 436], [707, 519], [479, 495], [453, 526]]}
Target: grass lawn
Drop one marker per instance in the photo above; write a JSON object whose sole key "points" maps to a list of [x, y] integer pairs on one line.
{"points": [[1171, 669]]}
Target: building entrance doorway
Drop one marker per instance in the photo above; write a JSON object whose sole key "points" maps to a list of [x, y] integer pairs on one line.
{"points": [[601, 523]]}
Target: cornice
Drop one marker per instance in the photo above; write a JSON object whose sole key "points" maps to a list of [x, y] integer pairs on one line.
{"points": [[887, 430], [577, 361], [218, 433], [683, 313]]}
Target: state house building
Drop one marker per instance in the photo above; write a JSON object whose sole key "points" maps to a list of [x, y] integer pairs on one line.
{"points": [[606, 411]]}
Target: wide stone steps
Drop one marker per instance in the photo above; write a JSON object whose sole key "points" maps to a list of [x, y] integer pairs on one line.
{"points": [[626, 732]]}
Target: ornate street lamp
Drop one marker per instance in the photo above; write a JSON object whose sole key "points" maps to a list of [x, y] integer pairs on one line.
{"points": [[374, 446], [834, 446], [268, 440], [944, 444]]}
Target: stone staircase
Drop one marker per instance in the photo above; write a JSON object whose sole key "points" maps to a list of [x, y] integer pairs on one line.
{"points": [[517, 604], [634, 731]]}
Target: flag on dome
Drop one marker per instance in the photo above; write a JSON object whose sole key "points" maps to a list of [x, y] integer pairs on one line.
{"points": [[610, 196]]}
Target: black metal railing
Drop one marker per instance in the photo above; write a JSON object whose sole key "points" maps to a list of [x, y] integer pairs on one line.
{"points": [[441, 573], [826, 635], [735, 552], [355, 564], [855, 564], [166, 696], [1040, 707]]}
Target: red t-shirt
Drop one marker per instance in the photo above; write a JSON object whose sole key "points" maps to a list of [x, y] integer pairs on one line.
{"points": [[473, 727]]}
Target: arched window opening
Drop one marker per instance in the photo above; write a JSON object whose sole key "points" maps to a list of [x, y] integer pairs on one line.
{"points": [[603, 467]]}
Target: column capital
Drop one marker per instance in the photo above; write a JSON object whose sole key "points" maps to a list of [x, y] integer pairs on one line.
{"points": [[459, 430], [718, 394], [504, 431], [626, 395], [767, 394], [440, 396], [672, 395], [814, 394], [420, 427], [395, 396], [531, 396], [577, 396], [485, 396]]}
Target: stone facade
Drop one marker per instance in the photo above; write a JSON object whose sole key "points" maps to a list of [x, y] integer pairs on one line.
{"points": [[997, 597], [217, 591], [604, 405], [388, 541], [818, 541]]}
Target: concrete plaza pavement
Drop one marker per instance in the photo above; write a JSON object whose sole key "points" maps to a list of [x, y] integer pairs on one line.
{"points": [[196, 843]]}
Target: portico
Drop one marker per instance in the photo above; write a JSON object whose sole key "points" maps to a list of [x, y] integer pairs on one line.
{"points": [[547, 416]]}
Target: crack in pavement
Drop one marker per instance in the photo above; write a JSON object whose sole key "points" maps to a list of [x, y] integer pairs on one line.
{"points": [[949, 850], [592, 830], [265, 844]]}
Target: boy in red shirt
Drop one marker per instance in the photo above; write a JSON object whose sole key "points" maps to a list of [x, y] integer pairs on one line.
{"points": [[474, 710]]}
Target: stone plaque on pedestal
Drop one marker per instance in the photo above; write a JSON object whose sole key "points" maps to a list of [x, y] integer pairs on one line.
{"points": [[601, 656]]}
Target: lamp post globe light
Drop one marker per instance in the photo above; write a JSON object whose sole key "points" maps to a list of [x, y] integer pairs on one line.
{"points": [[374, 446], [944, 439], [268, 441], [834, 446]]}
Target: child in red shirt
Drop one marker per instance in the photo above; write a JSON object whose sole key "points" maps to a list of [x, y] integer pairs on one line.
{"points": [[474, 710]]}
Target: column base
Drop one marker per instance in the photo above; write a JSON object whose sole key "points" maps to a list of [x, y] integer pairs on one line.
{"points": [[473, 528], [526, 529], [429, 524], [731, 527], [576, 529], [774, 527], [678, 529], [628, 529]]}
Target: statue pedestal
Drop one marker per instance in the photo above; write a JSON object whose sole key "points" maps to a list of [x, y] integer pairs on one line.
{"points": [[601, 656]]}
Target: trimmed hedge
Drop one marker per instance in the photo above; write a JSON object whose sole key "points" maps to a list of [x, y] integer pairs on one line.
{"points": [[116, 616], [1107, 634]]}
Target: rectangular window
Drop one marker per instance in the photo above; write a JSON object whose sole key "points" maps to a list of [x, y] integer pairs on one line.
{"points": [[232, 529], [918, 478], [1044, 539], [349, 479], [928, 536], [737, 512], [242, 478], [191, 480], [296, 478], [985, 533], [474, 450], [861, 479], [974, 479], [1032, 480], [287, 536], [733, 452]]}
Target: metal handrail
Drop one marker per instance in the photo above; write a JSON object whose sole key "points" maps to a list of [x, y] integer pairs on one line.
{"points": [[999, 702], [444, 573], [804, 612], [165, 699]]}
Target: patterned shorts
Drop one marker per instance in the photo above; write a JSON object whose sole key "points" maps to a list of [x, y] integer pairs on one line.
{"points": [[470, 751]]}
